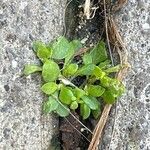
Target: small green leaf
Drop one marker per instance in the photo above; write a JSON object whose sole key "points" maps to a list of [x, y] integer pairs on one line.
{"points": [[49, 88], [36, 44], [69, 57], [60, 48], [113, 69], [113, 85], [109, 97], [41, 50], [70, 69], [86, 70], [98, 73], [96, 113], [74, 46], [105, 64], [79, 93], [50, 105], [31, 69], [90, 101], [115, 89], [99, 53], [87, 59], [66, 95], [106, 81], [74, 105], [85, 111], [95, 90], [50, 71], [62, 110]]}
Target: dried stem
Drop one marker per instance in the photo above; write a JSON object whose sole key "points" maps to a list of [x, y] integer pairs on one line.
{"points": [[99, 128], [87, 8], [106, 29], [117, 41]]}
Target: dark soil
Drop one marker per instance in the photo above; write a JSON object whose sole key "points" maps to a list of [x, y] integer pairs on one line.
{"points": [[78, 27], [68, 132]]}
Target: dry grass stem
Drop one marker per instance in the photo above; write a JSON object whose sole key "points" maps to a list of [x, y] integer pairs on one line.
{"points": [[87, 8], [99, 128], [116, 40]]}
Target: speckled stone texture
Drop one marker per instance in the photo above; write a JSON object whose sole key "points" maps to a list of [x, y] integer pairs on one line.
{"points": [[130, 118], [22, 127]]}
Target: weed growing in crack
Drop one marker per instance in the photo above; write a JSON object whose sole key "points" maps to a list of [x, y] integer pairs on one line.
{"points": [[60, 69]]}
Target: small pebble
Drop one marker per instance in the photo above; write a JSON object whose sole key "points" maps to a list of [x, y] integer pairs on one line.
{"points": [[23, 5], [6, 87], [146, 26], [14, 64], [84, 40]]}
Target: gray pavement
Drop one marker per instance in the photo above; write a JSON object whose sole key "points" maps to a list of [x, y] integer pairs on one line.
{"points": [[22, 127]]}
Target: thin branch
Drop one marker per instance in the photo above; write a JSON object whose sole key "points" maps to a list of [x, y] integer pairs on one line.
{"points": [[113, 128], [121, 74], [81, 51], [99, 128], [106, 28]]}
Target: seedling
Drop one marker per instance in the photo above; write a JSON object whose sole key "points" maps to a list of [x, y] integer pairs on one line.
{"points": [[60, 68]]}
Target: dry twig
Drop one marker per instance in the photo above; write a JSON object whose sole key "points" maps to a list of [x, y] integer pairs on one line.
{"points": [[120, 47], [87, 8], [118, 5]]}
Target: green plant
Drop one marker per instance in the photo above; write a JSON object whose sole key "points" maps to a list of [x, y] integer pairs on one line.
{"points": [[60, 68]]}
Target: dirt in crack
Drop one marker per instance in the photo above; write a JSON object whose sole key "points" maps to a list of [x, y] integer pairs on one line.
{"points": [[73, 135]]}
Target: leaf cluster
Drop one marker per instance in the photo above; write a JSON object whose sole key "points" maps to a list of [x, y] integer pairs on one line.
{"points": [[59, 68]]}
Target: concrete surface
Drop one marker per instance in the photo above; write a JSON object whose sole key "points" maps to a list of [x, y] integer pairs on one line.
{"points": [[132, 118], [22, 127]]}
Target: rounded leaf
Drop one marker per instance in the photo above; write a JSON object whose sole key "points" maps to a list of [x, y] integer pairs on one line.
{"points": [[62, 110], [90, 101], [109, 97], [96, 113], [79, 92], [99, 73], [86, 70], [87, 59], [49, 88], [70, 69], [50, 71], [50, 105], [106, 81], [60, 48], [41, 50], [95, 90], [99, 53], [74, 105], [29, 69], [105, 64], [85, 111], [74, 46], [113, 69], [66, 95]]}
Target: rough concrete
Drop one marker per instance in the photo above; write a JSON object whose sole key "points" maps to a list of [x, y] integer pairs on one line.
{"points": [[22, 127], [131, 121]]}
